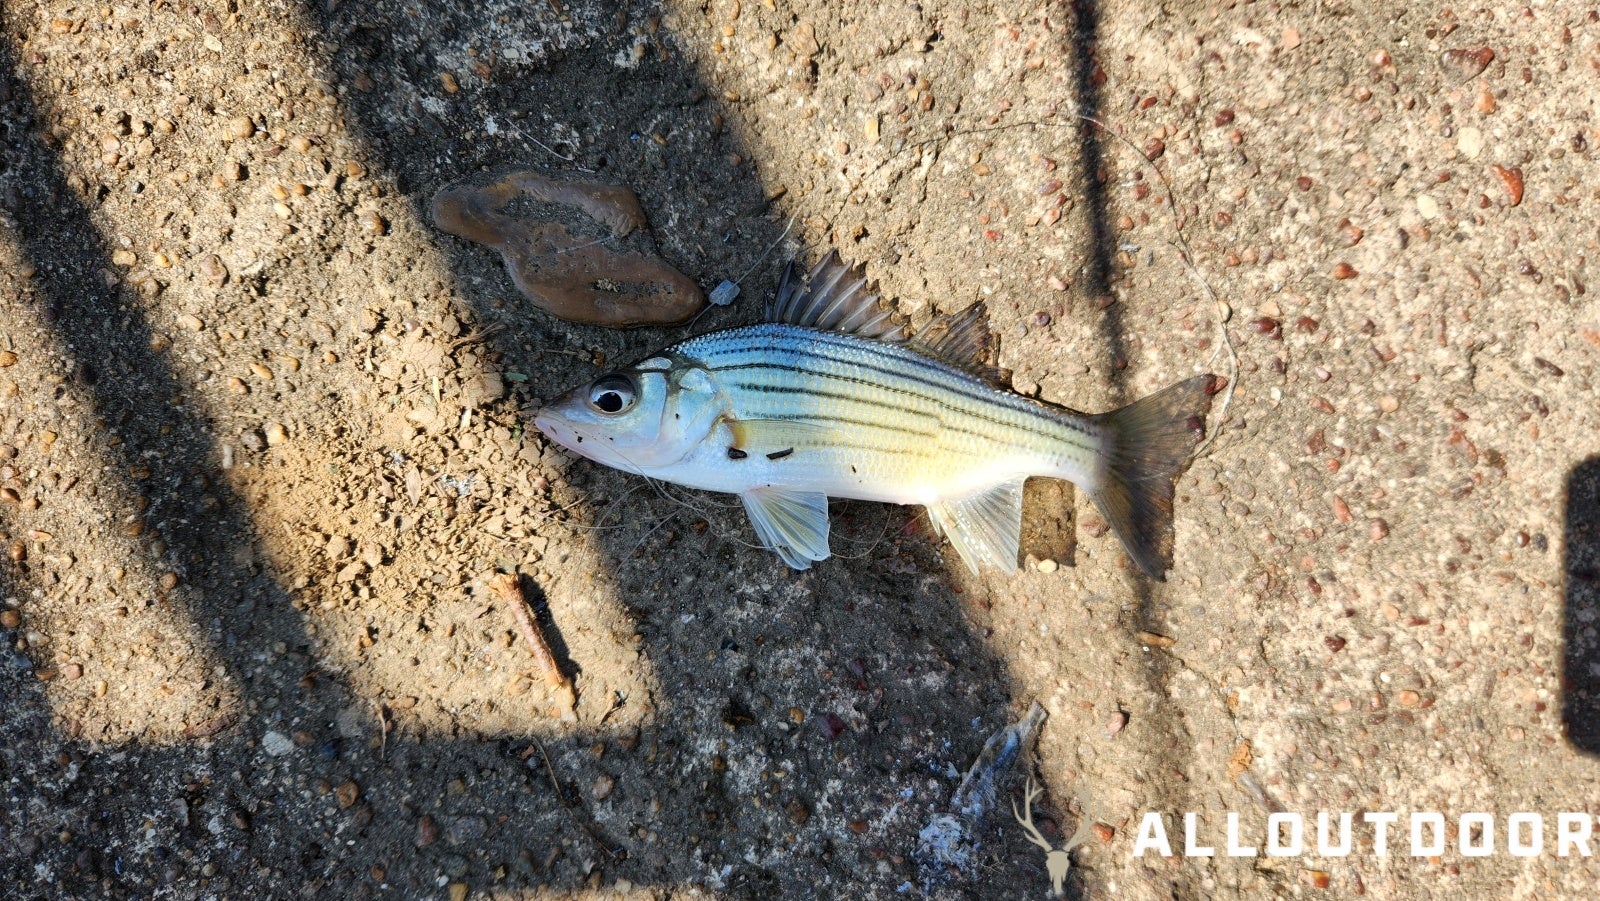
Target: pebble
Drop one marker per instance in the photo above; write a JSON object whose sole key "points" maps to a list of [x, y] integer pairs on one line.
{"points": [[191, 322], [241, 127], [347, 793], [276, 434], [1427, 206], [7, 359], [276, 744], [1462, 64], [1318, 879], [1470, 142], [466, 830], [1344, 271], [724, 293], [10, 619], [1116, 723], [458, 891], [1380, 530], [1388, 403], [1047, 565], [1511, 179], [604, 786], [427, 831]]}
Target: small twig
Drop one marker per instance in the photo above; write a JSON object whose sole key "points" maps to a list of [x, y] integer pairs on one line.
{"points": [[509, 588], [617, 703], [483, 334], [383, 728]]}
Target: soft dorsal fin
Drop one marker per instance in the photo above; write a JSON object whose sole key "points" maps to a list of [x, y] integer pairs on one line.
{"points": [[833, 297], [963, 340]]}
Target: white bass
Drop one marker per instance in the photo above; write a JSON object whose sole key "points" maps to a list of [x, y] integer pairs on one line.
{"points": [[830, 398]]}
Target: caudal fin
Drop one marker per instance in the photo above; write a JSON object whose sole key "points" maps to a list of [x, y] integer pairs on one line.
{"points": [[1147, 446]]}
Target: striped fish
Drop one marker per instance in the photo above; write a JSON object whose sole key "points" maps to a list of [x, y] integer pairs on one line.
{"points": [[831, 398]]}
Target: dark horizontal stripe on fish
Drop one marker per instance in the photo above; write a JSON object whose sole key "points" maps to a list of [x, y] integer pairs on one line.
{"points": [[955, 381], [849, 398], [835, 417], [948, 378], [805, 338], [964, 411]]}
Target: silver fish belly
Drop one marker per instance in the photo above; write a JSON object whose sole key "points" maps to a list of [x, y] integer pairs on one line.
{"points": [[830, 398]]}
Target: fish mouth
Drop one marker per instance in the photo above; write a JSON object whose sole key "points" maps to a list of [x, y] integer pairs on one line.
{"points": [[558, 430], [549, 425]]}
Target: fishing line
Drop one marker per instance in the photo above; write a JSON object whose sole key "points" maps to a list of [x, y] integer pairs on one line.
{"points": [[1181, 246], [660, 489]]}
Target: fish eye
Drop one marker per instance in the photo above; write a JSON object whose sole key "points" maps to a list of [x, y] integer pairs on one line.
{"points": [[614, 393]]}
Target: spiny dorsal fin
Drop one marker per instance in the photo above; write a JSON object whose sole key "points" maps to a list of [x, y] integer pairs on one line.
{"points": [[833, 297], [964, 341]]}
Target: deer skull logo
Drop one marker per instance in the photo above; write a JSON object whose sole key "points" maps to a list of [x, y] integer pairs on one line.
{"points": [[1058, 860]]}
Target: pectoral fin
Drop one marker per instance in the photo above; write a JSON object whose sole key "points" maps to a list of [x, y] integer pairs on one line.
{"points": [[792, 523], [983, 527]]}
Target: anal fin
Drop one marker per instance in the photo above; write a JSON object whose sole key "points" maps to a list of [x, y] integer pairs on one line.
{"points": [[984, 527], [794, 524]]}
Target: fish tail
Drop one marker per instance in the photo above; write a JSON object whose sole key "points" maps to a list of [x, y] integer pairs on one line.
{"points": [[1147, 445]]}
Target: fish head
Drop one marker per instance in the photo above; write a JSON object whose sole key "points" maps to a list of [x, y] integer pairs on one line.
{"points": [[639, 419]]}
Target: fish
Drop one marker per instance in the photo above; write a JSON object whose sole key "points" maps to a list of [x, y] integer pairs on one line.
{"points": [[831, 396]]}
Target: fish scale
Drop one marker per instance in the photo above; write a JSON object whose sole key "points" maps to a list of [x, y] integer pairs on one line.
{"points": [[830, 398]]}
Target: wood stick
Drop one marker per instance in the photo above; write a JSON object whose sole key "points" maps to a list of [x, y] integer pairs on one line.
{"points": [[509, 588]]}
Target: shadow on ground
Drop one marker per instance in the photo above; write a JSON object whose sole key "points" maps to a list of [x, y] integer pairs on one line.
{"points": [[1580, 703], [221, 785]]}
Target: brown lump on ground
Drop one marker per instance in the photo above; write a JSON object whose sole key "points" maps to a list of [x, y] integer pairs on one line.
{"points": [[578, 278]]}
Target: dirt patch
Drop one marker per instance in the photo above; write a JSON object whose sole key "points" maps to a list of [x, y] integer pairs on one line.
{"points": [[263, 438]]}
